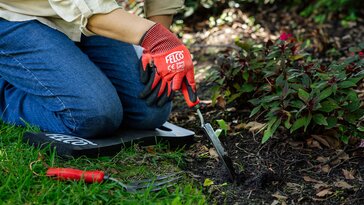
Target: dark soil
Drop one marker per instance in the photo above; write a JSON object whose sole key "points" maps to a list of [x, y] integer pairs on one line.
{"points": [[287, 169], [284, 170]]}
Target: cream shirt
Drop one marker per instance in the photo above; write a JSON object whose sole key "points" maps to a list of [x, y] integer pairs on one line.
{"points": [[71, 16]]}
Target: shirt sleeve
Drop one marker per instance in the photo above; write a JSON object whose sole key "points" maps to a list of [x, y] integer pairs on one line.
{"points": [[162, 7], [81, 10]]}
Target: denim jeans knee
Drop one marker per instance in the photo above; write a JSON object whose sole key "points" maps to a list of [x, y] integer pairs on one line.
{"points": [[101, 115], [149, 117]]}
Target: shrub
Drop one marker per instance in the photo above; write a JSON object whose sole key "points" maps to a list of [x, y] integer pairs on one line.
{"points": [[286, 87]]}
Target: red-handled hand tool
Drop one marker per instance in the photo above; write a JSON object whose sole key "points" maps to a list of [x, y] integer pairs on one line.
{"points": [[76, 175], [96, 176]]}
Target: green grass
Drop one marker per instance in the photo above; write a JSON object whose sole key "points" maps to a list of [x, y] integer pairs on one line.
{"points": [[19, 185]]}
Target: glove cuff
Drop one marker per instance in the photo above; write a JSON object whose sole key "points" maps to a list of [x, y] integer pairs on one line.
{"points": [[158, 39]]}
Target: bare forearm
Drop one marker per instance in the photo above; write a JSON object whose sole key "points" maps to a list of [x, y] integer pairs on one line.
{"points": [[165, 20], [120, 25]]}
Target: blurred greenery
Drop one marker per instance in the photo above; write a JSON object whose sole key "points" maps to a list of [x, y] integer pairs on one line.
{"points": [[319, 10]]}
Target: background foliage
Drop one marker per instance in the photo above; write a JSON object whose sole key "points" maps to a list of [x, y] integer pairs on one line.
{"points": [[319, 10]]}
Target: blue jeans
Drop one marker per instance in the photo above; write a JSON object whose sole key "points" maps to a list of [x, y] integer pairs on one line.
{"points": [[87, 89]]}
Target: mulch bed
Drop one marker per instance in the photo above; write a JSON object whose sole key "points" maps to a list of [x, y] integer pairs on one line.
{"points": [[287, 169], [282, 171]]}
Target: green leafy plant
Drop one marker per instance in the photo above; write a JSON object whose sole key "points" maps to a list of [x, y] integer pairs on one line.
{"points": [[223, 127], [321, 10], [289, 89]]}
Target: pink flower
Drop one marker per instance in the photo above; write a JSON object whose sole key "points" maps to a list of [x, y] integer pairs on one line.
{"points": [[285, 36], [361, 54]]}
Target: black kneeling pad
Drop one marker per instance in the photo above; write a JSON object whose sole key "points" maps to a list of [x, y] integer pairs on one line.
{"points": [[67, 145]]}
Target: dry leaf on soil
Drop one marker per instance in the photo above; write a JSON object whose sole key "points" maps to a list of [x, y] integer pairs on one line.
{"points": [[348, 174], [309, 179], [221, 102], [295, 143], [240, 126], [279, 197], [254, 126], [276, 202], [313, 143], [231, 109], [326, 168], [321, 139], [342, 157], [321, 186], [328, 141], [294, 187], [322, 159], [203, 148], [343, 185], [213, 153], [324, 193], [191, 118]]}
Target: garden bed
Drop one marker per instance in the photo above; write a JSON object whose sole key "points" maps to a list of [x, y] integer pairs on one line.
{"points": [[287, 169], [282, 171]]}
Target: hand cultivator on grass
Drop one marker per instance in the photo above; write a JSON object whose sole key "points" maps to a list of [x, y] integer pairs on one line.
{"points": [[96, 176]]}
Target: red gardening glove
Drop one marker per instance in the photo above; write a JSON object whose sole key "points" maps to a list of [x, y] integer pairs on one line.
{"points": [[166, 67]]}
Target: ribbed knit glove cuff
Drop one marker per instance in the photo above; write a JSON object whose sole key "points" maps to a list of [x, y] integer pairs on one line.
{"points": [[158, 39]]}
